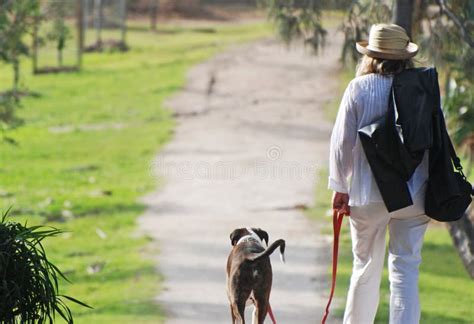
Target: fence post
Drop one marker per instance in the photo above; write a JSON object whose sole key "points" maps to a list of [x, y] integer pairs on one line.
{"points": [[98, 21], [123, 16], [153, 14], [80, 31]]}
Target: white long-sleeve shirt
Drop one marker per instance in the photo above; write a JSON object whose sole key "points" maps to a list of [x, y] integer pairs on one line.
{"points": [[365, 101]]}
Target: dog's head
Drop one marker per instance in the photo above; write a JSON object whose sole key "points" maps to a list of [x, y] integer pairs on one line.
{"points": [[237, 234]]}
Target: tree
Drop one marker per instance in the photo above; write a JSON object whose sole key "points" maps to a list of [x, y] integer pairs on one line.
{"points": [[299, 18], [17, 18], [445, 35], [59, 32], [402, 14]]}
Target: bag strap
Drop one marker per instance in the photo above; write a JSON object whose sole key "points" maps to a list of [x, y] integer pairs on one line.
{"points": [[337, 224], [454, 157], [452, 152], [437, 110]]}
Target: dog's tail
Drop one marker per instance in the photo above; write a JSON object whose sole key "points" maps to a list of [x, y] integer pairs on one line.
{"points": [[278, 243]]}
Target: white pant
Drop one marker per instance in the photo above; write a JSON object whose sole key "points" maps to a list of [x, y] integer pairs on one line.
{"points": [[368, 228]]}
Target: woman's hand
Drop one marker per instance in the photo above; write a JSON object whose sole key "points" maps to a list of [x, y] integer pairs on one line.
{"points": [[340, 202]]}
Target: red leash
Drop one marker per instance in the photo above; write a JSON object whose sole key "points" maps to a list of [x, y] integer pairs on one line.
{"points": [[270, 313], [337, 224]]}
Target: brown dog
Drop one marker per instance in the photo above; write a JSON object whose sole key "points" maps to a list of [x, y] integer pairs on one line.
{"points": [[249, 273]]}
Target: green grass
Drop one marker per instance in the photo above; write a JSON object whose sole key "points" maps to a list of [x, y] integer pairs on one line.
{"points": [[446, 290], [83, 157]]}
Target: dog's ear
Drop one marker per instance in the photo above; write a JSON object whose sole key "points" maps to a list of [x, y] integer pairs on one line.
{"points": [[262, 234], [236, 235]]}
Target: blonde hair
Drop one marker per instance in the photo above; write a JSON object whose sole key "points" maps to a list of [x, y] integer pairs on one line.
{"points": [[369, 65]]}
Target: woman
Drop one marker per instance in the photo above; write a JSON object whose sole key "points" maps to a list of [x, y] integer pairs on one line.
{"points": [[365, 100]]}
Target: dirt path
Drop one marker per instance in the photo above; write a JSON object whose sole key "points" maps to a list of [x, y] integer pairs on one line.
{"points": [[249, 138]]}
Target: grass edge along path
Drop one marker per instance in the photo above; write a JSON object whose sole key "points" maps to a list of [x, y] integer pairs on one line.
{"points": [[83, 157], [446, 290]]}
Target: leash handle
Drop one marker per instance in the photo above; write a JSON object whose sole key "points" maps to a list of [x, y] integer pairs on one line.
{"points": [[336, 224]]}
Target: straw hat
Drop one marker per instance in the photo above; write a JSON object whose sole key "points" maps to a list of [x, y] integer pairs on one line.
{"points": [[388, 42]]}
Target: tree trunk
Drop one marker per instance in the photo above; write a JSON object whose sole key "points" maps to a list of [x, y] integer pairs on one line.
{"points": [[402, 14], [462, 233], [153, 14], [60, 57], [16, 74]]}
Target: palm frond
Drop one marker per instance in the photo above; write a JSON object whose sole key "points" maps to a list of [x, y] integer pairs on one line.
{"points": [[29, 282]]}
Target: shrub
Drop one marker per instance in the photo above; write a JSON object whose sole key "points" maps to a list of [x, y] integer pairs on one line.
{"points": [[29, 289]]}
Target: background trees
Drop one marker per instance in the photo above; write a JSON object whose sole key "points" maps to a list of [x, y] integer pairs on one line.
{"points": [[51, 22], [17, 18], [298, 19]]}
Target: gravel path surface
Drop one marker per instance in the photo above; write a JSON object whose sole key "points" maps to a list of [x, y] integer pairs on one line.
{"points": [[249, 139]]}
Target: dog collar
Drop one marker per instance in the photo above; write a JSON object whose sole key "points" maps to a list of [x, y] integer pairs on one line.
{"points": [[252, 235], [247, 238]]}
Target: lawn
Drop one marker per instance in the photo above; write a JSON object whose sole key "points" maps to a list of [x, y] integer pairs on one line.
{"points": [[83, 156], [446, 290]]}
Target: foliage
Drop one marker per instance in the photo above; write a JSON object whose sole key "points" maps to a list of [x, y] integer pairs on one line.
{"points": [[458, 103], [29, 292], [361, 16], [17, 18], [450, 50], [298, 18]]}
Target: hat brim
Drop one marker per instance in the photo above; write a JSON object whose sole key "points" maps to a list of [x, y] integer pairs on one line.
{"points": [[409, 51]]}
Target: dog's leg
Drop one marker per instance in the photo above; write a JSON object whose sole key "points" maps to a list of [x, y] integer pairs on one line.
{"points": [[242, 311], [235, 313], [238, 309], [261, 311], [232, 314], [254, 315]]}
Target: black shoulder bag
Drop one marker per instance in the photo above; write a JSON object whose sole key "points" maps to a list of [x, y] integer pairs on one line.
{"points": [[454, 208]]}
